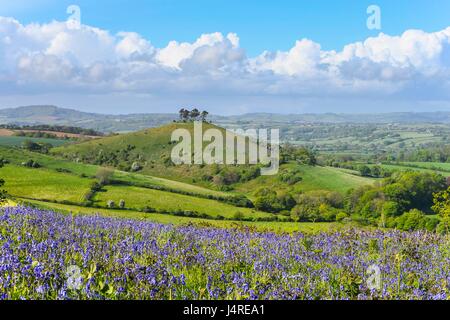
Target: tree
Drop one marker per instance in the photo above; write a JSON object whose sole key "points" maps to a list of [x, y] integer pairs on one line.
{"points": [[238, 216], [104, 176], [441, 202], [411, 221], [184, 114], [3, 193], [181, 112], [204, 115], [364, 171], [30, 145], [194, 114]]}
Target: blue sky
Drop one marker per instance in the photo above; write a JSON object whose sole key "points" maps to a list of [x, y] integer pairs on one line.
{"points": [[261, 25], [217, 60]]}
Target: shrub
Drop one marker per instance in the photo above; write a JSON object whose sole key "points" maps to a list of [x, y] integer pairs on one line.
{"points": [[31, 164], [238, 216], [136, 167], [104, 176], [411, 221], [341, 216], [111, 204]]}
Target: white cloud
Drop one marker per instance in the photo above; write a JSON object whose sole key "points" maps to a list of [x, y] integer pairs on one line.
{"points": [[54, 57]]}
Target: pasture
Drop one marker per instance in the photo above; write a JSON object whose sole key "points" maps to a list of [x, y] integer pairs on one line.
{"points": [[13, 141], [139, 198], [43, 184], [313, 178]]}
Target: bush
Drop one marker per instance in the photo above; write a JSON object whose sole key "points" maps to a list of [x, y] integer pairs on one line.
{"points": [[341, 216], [111, 204], [412, 220], [136, 167], [444, 226], [238, 216], [149, 210], [122, 204], [31, 164], [104, 176]]}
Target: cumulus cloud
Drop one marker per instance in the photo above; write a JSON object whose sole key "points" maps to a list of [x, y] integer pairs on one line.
{"points": [[87, 59]]}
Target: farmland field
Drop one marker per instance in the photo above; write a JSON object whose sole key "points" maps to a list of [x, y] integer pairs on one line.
{"points": [[440, 168], [44, 184], [13, 141], [139, 198], [313, 178]]}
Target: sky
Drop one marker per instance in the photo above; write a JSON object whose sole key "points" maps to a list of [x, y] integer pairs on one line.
{"points": [[229, 57]]}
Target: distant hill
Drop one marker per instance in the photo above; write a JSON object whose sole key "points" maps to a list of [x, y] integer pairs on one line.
{"points": [[33, 115], [395, 117]]}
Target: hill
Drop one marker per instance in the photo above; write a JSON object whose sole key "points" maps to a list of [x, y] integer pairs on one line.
{"points": [[53, 115], [151, 150]]}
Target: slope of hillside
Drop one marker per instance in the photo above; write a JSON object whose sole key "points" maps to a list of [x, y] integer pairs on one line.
{"points": [[313, 178], [151, 149]]}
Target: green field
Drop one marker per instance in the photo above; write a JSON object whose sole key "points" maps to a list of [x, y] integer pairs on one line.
{"points": [[49, 185], [431, 167], [18, 156], [139, 198], [14, 141], [136, 178], [314, 178], [44, 184], [445, 167]]}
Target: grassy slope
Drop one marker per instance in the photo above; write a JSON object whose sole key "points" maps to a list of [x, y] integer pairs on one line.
{"points": [[44, 184], [314, 178], [419, 166], [139, 198], [14, 141], [151, 146], [17, 156], [155, 181], [48, 184]]}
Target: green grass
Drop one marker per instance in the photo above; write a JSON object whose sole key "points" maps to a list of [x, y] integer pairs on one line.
{"points": [[280, 227], [420, 166], [314, 178], [17, 156], [152, 148], [138, 198], [171, 184], [43, 184], [431, 165], [14, 141]]}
